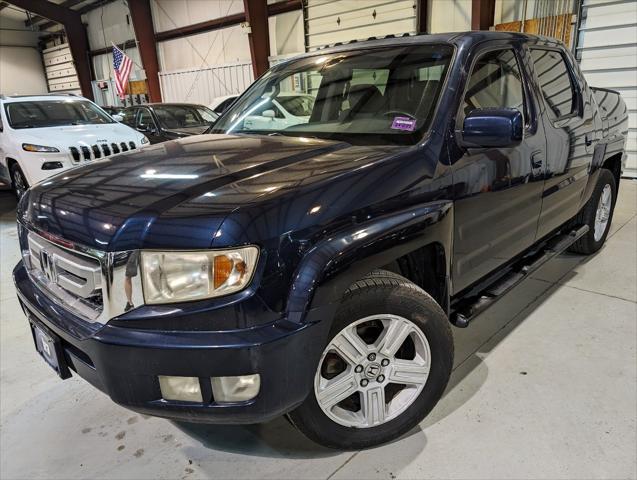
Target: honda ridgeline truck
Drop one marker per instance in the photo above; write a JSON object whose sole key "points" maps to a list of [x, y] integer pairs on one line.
{"points": [[314, 270]]}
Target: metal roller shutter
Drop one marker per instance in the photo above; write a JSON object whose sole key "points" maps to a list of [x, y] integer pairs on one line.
{"points": [[607, 51], [60, 71], [332, 21]]}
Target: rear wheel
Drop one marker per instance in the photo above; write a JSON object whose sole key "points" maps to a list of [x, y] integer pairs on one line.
{"points": [[384, 368], [597, 214], [18, 180]]}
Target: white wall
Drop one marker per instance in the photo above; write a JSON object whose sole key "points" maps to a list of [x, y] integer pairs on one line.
{"points": [[286, 33], [448, 16], [228, 45], [21, 70], [118, 28], [219, 47]]}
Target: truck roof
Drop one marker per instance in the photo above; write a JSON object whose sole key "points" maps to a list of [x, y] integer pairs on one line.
{"points": [[467, 38]]}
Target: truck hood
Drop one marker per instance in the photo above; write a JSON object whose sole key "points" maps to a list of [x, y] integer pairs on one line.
{"points": [[77, 135], [176, 194]]}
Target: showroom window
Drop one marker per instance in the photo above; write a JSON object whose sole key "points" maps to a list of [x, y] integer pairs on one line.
{"points": [[555, 81], [495, 82]]}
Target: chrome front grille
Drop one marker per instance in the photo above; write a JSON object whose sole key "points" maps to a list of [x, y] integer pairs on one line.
{"points": [[89, 283], [73, 278], [93, 152]]}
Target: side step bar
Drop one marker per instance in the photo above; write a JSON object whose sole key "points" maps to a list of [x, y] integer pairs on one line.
{"points": [[468, 308]]}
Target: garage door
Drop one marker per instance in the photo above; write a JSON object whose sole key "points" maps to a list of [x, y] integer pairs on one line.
{"points": [[607, 50], [61, 76], [332, 21]]}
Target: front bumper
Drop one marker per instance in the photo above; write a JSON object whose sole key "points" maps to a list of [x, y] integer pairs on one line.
{"points": [[125, 363], [31, 164]]}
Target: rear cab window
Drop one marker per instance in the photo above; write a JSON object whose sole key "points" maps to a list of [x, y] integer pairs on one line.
{"points": [[555, 81]]}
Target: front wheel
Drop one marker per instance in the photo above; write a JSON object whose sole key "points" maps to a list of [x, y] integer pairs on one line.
{"points": [[597, 214], [18, 180], [384, 368]]}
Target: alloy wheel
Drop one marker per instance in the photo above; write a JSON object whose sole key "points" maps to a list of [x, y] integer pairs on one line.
{"points": [[19, 183], [372, 371], [603, 212]]}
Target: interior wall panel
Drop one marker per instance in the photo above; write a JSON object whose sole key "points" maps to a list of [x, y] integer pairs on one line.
{"points": [[607, 52]]}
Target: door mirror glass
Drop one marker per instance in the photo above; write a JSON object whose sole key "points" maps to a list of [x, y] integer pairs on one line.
{"points": [[268, 114], [493, 127]]}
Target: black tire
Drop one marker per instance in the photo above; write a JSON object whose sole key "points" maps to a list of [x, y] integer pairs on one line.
{"points": [[587, 244], [19, 182], [383, 292]]}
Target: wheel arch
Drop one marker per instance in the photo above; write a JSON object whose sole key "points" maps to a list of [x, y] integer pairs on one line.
{"points": [[10, 162], [426, 267], [614, 164], [413, 241]]}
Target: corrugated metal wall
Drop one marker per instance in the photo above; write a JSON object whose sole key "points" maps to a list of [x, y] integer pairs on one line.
{"points": [[331, 21], [203, 85], [607, 51]]}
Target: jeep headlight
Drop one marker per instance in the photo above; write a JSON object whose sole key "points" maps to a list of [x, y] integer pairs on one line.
{"points": [[169, 277], [29, 147]]}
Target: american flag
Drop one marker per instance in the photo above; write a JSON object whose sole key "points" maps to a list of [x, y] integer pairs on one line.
{"points": [[122, 66]]}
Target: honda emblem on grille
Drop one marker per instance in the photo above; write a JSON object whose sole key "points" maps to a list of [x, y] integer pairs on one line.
{"points": [[48, 266]]}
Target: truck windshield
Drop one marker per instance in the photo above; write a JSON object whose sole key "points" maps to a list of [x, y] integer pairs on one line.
{"points": [[381, 95], [54, 113]]}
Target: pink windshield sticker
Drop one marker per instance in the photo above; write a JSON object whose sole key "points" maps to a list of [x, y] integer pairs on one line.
{"points": [[404, 123]]}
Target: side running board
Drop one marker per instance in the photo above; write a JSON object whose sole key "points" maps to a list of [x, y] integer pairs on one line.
{"points": [[486, 295]]}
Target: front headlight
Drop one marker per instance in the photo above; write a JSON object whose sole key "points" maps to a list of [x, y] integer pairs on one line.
{"points": [[169, 277], [29, 147], [144, 141]]}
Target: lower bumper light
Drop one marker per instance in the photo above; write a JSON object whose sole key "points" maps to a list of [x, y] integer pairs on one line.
{"points": [[184, 389], [236, 389], [51, 165]]}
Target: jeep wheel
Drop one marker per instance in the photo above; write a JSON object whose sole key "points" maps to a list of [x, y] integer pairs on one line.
{"points": [[597, 214], [18, 180], [384, 368]]}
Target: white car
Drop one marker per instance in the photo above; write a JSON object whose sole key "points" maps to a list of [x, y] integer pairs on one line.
{"points": [[44, 135], [284, 110], [220, 104]]}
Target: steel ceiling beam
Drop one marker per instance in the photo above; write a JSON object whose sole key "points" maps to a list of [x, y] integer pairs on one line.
{"points": [[75, 34], [482, 14], [143, 25], [259, 35], [224, 22], [65, 3], [421, 16]]}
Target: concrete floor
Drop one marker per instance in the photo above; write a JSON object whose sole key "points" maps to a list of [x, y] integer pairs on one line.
{"points": [[544, 387]]}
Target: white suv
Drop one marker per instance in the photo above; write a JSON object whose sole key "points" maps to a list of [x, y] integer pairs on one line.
{"points": [[46, 134]]}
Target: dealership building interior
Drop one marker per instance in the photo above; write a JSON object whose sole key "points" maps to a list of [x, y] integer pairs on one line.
{"points": [[543, 384]]}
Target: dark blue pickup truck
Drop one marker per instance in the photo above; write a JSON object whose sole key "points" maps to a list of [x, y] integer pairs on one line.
{"points": [[312, 265]]}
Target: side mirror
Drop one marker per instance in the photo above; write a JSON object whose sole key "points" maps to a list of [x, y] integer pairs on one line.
{"points": [[118, 118], [268, 114], [492, 127], [144, 128]]}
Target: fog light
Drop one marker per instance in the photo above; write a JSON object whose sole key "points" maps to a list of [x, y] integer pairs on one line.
{"points": [[51, 165], [236, 389], [185, 389]]}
